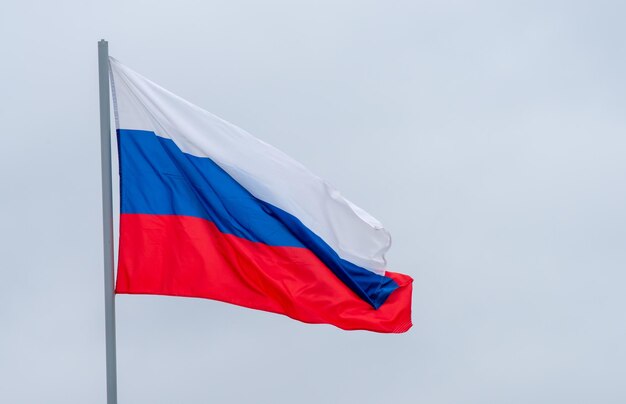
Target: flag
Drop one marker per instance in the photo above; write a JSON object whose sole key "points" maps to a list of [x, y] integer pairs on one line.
{"points": [[208, 210]]}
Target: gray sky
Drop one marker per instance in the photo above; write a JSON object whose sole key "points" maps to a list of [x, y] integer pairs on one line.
{"points": [[489, 137]]}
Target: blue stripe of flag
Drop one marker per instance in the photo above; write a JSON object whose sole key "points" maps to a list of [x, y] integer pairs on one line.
{"points": [[158, 178]]}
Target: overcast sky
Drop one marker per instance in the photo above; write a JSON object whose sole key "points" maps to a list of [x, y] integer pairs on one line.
{"points": [[489, 137]]}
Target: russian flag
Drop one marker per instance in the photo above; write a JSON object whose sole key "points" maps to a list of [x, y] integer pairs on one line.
{"points": [[210, 211]]}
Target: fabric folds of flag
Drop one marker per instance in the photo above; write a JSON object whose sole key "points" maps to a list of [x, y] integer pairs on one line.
{"points": [[210, 211]]}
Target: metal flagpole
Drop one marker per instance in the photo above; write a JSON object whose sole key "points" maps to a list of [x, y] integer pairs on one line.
{"points": [[107, 221]]}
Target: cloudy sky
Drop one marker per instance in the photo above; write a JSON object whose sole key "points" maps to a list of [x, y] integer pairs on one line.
{"points": [[488, 136]]}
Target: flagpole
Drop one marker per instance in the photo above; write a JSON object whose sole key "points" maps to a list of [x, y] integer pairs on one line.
{"points": [[107, 221]]}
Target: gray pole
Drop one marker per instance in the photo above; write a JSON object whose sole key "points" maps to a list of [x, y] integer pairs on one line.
{"points": [[107, 221]]}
